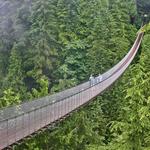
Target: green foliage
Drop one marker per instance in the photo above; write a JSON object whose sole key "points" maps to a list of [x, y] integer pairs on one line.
{"points": [[15, 77], [131, 129], [15, 74], [145, 28], [9, 98], [41, 54], [56, 44], [42, 88]]}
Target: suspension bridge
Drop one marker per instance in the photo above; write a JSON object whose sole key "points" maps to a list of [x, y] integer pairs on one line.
{"points": [[20, 121]]}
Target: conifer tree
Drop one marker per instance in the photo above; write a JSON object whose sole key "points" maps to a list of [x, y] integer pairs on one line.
{"points": [[43, 47], [15, 76]]}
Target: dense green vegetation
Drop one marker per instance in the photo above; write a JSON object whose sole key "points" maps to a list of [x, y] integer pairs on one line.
{"points": [[48, 46]]}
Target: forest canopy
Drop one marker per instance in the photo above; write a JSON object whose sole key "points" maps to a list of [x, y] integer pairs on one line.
{"points": [[47, 46]]}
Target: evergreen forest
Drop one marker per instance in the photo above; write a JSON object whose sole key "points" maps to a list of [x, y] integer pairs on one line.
{"points": [[47, 46]]}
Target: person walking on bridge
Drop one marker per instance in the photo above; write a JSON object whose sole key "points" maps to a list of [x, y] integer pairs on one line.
{"points": [[92, 80], [100, 77]]}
